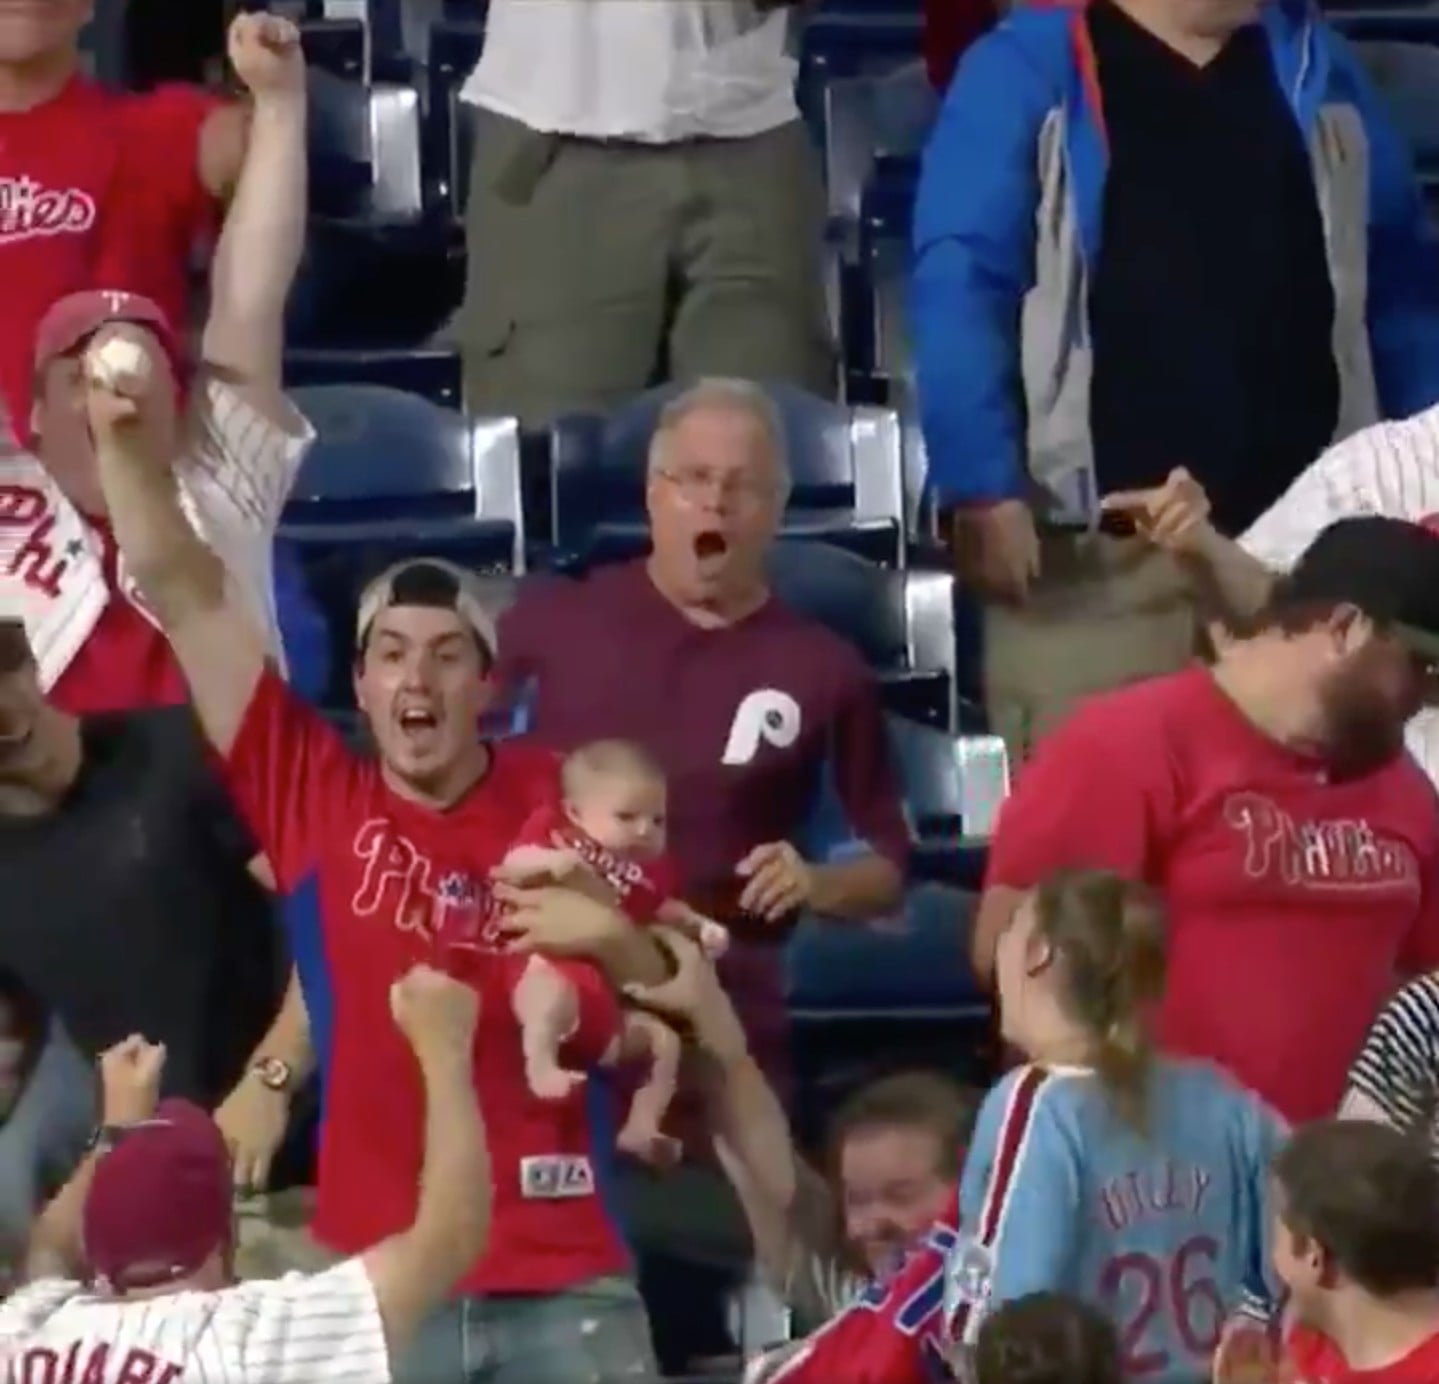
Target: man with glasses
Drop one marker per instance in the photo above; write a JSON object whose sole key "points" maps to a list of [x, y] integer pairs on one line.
{"points": [[1269, 799], [742, 700]]}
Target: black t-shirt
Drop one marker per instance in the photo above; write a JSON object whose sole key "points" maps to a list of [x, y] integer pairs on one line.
{"points": [[1212, 308], [130, 908]]}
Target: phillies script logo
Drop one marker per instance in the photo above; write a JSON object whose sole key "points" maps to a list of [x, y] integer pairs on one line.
{"points": [[27, 528], [1336, 853], [29, 209], [399, 882]]}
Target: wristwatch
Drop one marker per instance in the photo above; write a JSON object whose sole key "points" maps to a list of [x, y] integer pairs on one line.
{"points": [[103, 1138], [273, 1073]]}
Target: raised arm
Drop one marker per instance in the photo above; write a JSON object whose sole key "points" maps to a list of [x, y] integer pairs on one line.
{"points": [[218, 645], [260, 246], [413, 1273]]}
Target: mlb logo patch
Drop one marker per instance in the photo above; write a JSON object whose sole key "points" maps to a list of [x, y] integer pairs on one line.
{"points": [[556, 1177]]}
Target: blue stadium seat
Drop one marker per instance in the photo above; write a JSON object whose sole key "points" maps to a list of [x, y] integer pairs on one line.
{"points": [[845, 465], [851, 45], [432, 372], [454, 50], [392, 476], [901, 622], [910, 966], [338, 46]]}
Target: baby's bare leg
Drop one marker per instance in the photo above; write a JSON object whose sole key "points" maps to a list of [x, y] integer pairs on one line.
{"points": [[642, 1134], [548, 1010]]}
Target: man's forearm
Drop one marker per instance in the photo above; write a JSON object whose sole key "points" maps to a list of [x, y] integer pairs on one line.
{"points": [[56, 1248], [865, 887], [260, 246], [453, 1216], [632, 956], [749, 1120], [1228, 579]]}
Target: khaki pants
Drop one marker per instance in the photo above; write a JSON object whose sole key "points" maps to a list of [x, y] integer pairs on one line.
{"points": [[273, 1238], [598, 268], [1105, 612]]}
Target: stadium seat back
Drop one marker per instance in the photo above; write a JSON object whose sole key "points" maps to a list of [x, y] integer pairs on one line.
{"points": [[845, 467]]}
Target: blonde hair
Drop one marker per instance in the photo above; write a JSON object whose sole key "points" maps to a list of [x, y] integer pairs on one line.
{"points": [[602, 758], [1109, 938]]}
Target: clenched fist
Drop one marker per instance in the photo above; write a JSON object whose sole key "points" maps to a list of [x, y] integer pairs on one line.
{"points": [[266, 55], [436, 1013], [130, 1075]]}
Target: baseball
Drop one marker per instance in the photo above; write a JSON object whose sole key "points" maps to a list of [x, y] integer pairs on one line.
{"points": [[118, 364]]}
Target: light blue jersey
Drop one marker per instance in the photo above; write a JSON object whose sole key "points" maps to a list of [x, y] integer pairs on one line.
{"points": [[1167, 1235]]}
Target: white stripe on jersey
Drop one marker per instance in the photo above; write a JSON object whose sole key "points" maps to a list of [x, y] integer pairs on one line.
{"points": [[232, 486], [1398, 1067], [301, 1329], [1390, 469]]}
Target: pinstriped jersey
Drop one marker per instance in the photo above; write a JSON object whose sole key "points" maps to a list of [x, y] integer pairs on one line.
{"points": [[302, 1329], [1165, 1232], [1390, 469]]}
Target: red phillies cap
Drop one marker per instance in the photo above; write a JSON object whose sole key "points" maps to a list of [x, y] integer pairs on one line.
{"points": [[74, 319], [159, 1201]]}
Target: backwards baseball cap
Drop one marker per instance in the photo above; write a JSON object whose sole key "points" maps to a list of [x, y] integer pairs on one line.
{"points": [[1388, 568], [76, 318], [432, 582], [159, 1203]]}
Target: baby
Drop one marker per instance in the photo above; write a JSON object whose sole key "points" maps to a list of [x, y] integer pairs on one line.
{"points": [[611, 825]]}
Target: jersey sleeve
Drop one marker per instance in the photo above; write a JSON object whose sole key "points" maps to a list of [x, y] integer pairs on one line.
{"points": [[1262, 1133], [307, 1329], [892, 1332], [1396, 1068], [1092, 797], [287, 772], [1019, 1200], [28, 1308]]}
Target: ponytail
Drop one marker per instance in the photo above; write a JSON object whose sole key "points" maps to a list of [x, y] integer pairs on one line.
{"points": [[1109, 933]]}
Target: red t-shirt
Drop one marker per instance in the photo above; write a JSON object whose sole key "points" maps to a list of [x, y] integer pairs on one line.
{"points": [[125, 663], [642, 886], [97, 190], [1314, 1359], [398, 884], [1294, 903]]}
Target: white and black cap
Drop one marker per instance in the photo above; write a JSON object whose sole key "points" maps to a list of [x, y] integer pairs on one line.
{"points": [[432, 582]]}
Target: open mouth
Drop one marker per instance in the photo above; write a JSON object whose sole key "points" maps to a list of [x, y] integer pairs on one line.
{"points": [[710, 544], [416, 723]]}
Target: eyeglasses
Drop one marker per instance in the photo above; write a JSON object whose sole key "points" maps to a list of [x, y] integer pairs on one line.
{"points": [[696, 482]]}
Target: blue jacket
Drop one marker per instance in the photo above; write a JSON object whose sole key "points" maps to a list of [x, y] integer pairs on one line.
{"points": [[1008, 223]]}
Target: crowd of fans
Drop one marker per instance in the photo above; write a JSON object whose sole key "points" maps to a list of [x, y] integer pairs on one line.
{"points": [[1190, 467]]}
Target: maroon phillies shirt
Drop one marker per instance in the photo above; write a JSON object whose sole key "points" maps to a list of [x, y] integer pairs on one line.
{"points": [[743, 720]]}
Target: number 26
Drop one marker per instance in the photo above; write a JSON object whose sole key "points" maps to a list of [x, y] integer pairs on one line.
{"points": [[1181, 1288]]}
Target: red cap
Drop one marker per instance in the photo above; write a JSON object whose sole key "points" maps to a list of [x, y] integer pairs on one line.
{"points": [[74, 319], [159, 1203]]}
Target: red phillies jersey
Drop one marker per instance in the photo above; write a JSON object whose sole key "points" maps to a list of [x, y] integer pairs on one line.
{"points": [[1314, 1359], [1292, 900], [97, 190], [125, 663], [399, 883], [893, 1333], [642, 885]]}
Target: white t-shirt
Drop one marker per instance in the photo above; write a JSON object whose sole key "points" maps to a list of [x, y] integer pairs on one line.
{"points": [[1390, 469], [300, 1329], [654, 71], [234, 481]]}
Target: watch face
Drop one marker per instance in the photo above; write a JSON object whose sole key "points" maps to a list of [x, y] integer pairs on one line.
{"points": [[272, 1072]]}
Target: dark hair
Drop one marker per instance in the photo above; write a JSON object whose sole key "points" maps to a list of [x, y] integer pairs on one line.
{"points": [[1108, 936], [910, 1100], [1368, 1196], [1285, 611], [1046, 1338]]}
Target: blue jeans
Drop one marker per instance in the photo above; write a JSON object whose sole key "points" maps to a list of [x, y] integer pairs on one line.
{"points": [[594, 1334]]}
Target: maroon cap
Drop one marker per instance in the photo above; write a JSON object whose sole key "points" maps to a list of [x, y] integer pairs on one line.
{"points": [[159, 1203], [74, 319]]}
